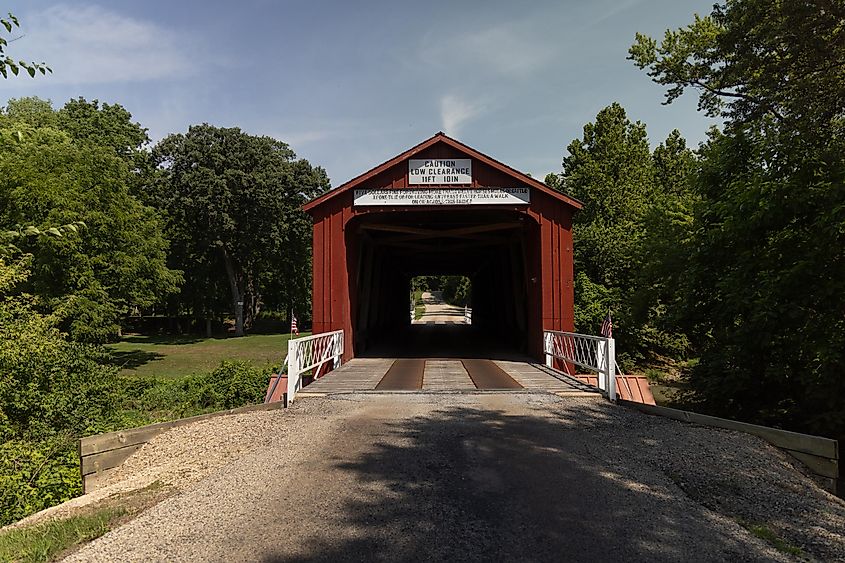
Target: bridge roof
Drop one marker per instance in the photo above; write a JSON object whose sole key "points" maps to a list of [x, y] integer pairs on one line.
{"points": [[441, 137]]}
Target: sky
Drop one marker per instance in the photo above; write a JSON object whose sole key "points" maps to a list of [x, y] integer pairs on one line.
{"points": [[349, 85]]}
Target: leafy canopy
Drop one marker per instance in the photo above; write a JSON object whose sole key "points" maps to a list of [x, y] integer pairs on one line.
{"points": [[232, 202], [759, 276], [49, 179]]}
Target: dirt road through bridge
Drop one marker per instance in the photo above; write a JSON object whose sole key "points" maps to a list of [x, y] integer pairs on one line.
{"points": [[483, 477]]}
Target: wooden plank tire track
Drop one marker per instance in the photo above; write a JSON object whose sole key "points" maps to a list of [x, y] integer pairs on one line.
{"points": [[403, 375], [485, 374]]}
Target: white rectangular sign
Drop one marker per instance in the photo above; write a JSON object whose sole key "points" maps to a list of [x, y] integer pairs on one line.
{"points": [[456, 196], [440, 171]]}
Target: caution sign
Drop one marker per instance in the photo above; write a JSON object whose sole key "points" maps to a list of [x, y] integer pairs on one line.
{"points": [[440, 171]]}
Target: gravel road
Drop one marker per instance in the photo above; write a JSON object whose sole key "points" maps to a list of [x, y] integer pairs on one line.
{"points": [[437, 310], [473, 477]]}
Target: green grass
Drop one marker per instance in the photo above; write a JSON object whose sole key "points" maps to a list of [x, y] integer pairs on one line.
{"points": [[177, 356], [419, 311], [765, 533], [43, 542]]}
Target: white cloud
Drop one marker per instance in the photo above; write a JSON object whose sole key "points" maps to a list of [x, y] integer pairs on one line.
{"points": [[614, 9], [93, 44], [454, 112], [511, 49]]}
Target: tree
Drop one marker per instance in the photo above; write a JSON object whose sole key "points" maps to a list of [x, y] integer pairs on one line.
{"points": [[610, 170], [752, 59], [7, 63], [658, 301], [232, 202], [764, 282], [119, 259], [111, 125], [32, 111]]}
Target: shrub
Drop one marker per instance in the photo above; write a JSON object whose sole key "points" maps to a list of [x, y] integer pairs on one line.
{"points": [[54, 391]]}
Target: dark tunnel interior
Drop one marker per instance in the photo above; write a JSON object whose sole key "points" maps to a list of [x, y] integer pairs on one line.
{"points": [[487, 246]]}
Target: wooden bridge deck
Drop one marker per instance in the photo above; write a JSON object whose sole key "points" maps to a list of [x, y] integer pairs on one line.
{"points": [[444, 374]]}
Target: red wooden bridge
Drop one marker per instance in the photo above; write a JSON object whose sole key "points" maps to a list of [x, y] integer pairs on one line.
{"points": [[442, 207]]}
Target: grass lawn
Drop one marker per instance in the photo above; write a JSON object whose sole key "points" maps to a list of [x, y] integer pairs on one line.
{"points": [[53, 539], [177, 356], [45, 541]]}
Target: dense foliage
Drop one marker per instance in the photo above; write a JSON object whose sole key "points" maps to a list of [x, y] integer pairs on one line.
{"points": [[51, 174], [627, 192], [758, 269], [232, 203], [54, 391]]}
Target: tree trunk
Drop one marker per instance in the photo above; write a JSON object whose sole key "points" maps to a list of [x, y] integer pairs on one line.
{"points": [[208, 327], [237, 293], [252, 303]]}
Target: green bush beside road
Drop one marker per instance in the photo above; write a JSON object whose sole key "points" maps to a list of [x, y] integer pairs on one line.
{"points": [[54, 391]]}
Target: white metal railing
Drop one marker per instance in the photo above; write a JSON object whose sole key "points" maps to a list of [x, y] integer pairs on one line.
{"points": [[467, 315], [312, 352], [595, 353]]}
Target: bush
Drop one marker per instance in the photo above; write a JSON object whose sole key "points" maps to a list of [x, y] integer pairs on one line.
{"points": [[233, 384], [54, 391], [37, 474]]}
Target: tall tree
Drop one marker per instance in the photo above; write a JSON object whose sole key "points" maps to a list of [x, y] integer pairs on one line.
{"points": [[765, 279], [232, 203], [610, 170], [117, 261], [657, 301]]}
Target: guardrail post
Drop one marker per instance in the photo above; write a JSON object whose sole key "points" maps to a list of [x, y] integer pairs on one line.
{"points": [[293, 370], [338, 349], [611, 369]]}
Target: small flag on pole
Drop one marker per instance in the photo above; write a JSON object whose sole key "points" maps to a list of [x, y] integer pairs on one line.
{"points": [[607, 326], [293, 327]]}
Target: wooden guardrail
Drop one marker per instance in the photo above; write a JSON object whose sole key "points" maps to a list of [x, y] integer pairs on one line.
{"points": [[820, 455], [99, 455]]}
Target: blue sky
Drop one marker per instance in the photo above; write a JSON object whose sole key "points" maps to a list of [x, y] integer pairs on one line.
{"points": [[351, 84]]}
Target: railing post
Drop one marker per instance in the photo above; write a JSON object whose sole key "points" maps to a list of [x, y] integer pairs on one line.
{"points": [[293, 370], [611, 369], [548, 340], [338, 349]]}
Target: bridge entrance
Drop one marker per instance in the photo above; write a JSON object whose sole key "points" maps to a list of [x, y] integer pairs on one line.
{"points": [[485, 246], [442, 208]]}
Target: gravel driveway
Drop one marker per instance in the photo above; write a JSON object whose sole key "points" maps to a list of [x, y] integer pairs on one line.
{"points": [[476, 477], [438, 311]]}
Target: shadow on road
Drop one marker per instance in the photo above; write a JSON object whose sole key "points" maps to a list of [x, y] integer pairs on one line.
{"points": [[467, 484]]}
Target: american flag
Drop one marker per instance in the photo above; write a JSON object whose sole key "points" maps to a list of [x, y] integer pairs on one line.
{"points": [[607, 326], [293, 328]]}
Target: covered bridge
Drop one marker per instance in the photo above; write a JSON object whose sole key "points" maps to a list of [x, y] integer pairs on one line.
{"points": [[442, 207]]}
